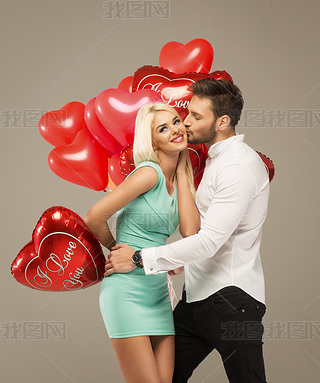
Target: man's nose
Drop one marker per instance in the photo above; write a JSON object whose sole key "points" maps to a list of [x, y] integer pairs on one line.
{"points": [[186, 121]]}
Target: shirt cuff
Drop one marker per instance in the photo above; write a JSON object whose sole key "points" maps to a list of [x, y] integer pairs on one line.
{"points": [[149, 260]]}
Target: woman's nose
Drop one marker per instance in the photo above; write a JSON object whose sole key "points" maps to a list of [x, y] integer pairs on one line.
{"points": [[177, 128]]}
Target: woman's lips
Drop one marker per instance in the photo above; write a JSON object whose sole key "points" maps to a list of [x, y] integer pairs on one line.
{"points": [[180, 138]]}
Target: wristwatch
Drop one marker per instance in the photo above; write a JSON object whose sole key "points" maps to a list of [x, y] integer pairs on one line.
{"points": [[137, 259]]}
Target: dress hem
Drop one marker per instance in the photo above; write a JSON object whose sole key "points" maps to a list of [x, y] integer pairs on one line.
{"points": [[131, 335]]}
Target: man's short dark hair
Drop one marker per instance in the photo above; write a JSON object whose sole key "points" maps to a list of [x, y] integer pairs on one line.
{"points": [[226, 98]]}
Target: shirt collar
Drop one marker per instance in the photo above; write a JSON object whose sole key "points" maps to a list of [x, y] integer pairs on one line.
{"points": [[218, 147]]}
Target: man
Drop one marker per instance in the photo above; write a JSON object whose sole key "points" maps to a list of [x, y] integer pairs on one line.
{"points": [[223, 302]]}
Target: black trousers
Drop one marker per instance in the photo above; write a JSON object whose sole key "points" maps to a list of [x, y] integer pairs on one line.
{"points": [[229, 321]]}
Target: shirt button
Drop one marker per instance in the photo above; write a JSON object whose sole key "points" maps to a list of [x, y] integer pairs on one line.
{"points": [[151, 268]]}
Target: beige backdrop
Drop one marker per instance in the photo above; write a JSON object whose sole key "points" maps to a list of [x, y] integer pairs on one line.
{"points": [[54, 52]]}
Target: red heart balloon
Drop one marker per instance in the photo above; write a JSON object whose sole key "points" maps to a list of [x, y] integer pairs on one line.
{"points": [[63, 255], [126, 161], [98, 131], [221, 75], [117, 111], [59, 127], [195, 56], [197, 154], [172, 87], [83, 162], [115, 170], [268, 164], [126, 84]]}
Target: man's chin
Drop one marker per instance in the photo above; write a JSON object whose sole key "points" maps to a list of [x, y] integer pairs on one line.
{"points": [[193, 141]]}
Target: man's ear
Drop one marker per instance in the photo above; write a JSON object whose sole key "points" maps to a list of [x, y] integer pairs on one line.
{"points": [[224, 122]]}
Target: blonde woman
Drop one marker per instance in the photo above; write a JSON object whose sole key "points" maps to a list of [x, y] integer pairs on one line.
{"points": [[156, 199]]}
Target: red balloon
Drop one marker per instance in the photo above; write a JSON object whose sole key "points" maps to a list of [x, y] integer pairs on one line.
{"points": [[172, 87], [117, 111], [221, 75], [98, 131], [63, 255], [268, 164], [198, 156], [83, 162], [124, 163], [115, 170], [126, 84], [59, 127], [195, 56]]}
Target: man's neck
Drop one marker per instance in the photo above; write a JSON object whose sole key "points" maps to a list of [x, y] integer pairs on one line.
{"points": [[219, 137]]}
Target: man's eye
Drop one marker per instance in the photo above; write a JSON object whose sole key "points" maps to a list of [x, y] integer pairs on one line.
{"points": [[196, 117]]}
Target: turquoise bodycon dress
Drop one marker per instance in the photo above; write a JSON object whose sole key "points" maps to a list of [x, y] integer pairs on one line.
{"points": [[136, 304]]}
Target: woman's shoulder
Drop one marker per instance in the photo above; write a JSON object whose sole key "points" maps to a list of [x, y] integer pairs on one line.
{"points": [[148, 163], [147, 166], [151, 164]]}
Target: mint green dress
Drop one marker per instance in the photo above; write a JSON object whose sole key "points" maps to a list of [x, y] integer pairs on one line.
{"points": [[135, 304]]}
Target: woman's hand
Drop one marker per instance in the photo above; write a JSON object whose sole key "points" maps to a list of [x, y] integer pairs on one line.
{"points": [[119, 260], [182, 161]]}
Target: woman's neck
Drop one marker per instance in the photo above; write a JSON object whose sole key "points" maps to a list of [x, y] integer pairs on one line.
{"points": [[168, 164]]}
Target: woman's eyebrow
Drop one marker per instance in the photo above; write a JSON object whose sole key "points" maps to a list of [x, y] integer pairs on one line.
{"points": [[174, 118]]}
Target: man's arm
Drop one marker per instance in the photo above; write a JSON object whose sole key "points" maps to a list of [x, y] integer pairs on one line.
{"points": [[236, 186]]}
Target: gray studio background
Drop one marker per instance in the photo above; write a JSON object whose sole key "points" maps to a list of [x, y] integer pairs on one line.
{"points": [[54, 52]]}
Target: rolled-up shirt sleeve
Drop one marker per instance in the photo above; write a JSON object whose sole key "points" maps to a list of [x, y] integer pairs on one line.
{"points": [[234, 189]]}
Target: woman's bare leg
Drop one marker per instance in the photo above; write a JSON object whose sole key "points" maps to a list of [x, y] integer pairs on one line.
{"points": [[163, 348], [136, 359]]}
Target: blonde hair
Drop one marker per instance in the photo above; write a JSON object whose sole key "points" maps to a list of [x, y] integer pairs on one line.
{"points": [[142, 146]]}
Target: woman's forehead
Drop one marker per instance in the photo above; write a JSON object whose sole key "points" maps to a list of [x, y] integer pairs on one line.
{"points": [[163, 116]]}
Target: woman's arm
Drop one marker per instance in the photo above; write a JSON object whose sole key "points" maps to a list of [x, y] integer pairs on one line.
{"points": [[189, 217], [141, 181]]}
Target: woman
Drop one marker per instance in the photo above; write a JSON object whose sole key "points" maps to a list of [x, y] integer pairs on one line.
{"points": [[154, 200]]}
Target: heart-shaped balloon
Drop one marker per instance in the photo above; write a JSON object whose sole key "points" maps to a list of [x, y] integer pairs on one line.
{"points": [[268, 164], [83, 162], [195, 56], [123, 163], [126, 84], [221, 75], [117, 111], [126, 161], [115, 170], [59, 127], [98, 131], [172, 87], [198, 154], [63, 255]]}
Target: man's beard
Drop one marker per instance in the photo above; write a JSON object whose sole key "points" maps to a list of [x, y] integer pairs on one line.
{"points": [[205, 138]]}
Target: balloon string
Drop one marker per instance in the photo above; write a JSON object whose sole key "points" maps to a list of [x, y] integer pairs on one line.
{"points": [[172, 293]]}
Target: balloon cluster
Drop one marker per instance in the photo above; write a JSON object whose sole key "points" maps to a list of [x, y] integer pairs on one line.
{"points": [[93, 142], [93, 148]]}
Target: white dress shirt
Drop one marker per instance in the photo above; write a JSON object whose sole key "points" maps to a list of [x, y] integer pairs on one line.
{"points": [[232, 200]]}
